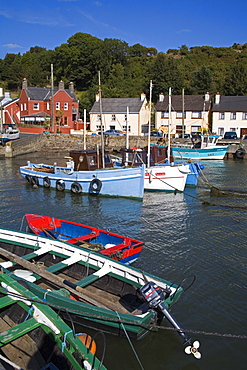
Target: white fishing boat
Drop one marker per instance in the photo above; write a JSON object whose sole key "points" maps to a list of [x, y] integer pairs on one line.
{"points": [[9, 132], [167, 177]]}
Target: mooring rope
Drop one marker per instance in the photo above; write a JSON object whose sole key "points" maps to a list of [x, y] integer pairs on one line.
{"points": [[145, 326]]}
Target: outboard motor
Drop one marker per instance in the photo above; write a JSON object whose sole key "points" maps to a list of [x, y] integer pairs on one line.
{"points": [[154, 296]]}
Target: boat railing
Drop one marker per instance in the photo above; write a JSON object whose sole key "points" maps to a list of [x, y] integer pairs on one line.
{"points": [[178, 145]]}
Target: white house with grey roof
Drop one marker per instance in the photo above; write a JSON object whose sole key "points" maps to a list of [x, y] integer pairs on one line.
{"points": [[196, 110], [115, 116], [229, 113]]}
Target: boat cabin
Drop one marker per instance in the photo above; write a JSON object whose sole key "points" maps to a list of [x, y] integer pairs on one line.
{"points": [[89, 160], [136, 157]]}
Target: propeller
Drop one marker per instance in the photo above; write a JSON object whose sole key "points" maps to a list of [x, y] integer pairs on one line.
{"points": [[155, 296], [193, 350]]}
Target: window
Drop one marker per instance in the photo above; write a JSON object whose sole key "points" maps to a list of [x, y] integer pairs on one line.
{"points": [[21, 107], [48, 106], [244, 115], [113, 117], [98, 117], [164, 114], [66, 106], [124, 128], [98, 128], [196, 115], [25, 106], [65, 121], [233, 115], [180, 115], [57, 106], [221, 131], [35, 106], [222, 115]]}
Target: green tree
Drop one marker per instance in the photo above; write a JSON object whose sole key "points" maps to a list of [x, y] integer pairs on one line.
{"points": [[201, 80], [236, 81], [165, 74]]}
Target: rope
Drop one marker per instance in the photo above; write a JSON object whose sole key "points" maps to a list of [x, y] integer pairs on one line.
{"points": [[64, 339], [148, 327], [131, 345]]}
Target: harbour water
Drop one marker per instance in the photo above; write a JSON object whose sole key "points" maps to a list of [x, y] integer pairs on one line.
{"points": [[185, 235]]}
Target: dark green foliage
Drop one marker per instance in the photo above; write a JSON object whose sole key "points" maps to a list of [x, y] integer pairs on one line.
{"points": [[201, 80], [236, 81], [126, 70]]}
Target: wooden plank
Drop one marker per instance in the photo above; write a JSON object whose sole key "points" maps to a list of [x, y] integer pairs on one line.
{"points": [[73, 288]]}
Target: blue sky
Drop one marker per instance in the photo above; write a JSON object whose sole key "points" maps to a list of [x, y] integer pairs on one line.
{"points": [[161, 24]]}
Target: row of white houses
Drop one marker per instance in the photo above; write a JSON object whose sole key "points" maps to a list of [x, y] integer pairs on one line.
{"points": [[194, 113]]}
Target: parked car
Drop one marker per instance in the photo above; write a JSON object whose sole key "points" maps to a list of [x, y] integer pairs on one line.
{"points": [[113, 132], [232, 135], [154, 133], [244, 137], [186, 136], [196, 135]]}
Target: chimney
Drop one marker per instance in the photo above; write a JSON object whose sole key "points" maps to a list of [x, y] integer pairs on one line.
{"points": [[61, 85], [207, 97], [143, 96], [71, 86], [24, 84], [97, 97], [161, 97], [217, 98]]}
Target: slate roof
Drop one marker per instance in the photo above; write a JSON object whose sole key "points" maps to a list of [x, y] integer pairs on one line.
{"points": [[192, 103], [231, 104], [44, 93], [6, 103], [39, 114], [118, 105]]}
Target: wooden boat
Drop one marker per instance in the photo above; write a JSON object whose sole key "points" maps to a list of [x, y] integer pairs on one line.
{"points": [[85, 172], [118, 247], [33, 336], [205, 149], [97, 291]]}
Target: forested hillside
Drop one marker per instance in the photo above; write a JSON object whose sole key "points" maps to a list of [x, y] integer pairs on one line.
{"points": [[126, 70]]}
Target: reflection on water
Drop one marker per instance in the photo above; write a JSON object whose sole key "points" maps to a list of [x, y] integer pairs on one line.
{"points": [[183, 237]]}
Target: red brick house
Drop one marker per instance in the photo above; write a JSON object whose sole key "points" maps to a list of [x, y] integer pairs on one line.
{"points": [[41, 111]]}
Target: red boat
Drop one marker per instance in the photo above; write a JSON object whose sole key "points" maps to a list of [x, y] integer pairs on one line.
{"points": [[118, 247]]}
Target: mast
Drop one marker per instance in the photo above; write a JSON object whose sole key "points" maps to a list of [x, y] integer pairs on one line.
{"points": [[52, 100], [182, 113], [84, 130], [127, 131], [149, 123], [101, 125], [169, 125]]}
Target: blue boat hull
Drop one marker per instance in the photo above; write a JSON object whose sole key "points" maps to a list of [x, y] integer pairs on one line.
{"points": [[216, 153], [119, 182], [192, 178]]}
